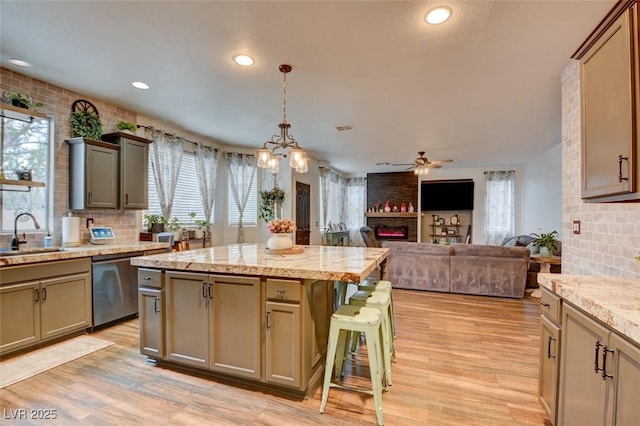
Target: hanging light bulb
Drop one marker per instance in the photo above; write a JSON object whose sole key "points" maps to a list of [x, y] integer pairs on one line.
{"points": [[297, 159], [274, 165]]}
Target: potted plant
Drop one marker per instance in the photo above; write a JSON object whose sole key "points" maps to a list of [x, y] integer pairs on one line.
{"points": [[203, 227], [154, 223], [268, 202], [191, 232], [86, 124], [126, 127], [21, 101], [546, 244], [173, 225]]}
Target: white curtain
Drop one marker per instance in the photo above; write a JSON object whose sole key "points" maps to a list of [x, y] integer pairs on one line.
{"points": [[166, 157], [241, 169], [354, 208], [499, 218], [206, 159]]}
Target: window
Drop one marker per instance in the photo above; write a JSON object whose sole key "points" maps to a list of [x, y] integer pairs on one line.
{"points": [[499, 206], [187, 196], [250, 217], [332, 195], [26, 145]]}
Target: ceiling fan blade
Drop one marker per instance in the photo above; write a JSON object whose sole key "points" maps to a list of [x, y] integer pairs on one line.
{"points": [[401, 164], [434, 165], [409, 168], [442, 161]]}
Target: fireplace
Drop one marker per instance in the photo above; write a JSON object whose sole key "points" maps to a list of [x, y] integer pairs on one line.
{"points": [[383, 232]]}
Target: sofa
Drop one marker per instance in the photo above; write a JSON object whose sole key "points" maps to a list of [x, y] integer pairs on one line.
{"points": [[458, 268]]}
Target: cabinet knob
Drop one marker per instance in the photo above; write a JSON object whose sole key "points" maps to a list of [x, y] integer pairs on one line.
{"points": [[545, 304]]}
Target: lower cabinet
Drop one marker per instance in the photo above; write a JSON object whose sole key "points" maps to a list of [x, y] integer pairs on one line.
{"points": [[599, 374], [549, 366], [268, 330], [43, 301], [214, 322]]}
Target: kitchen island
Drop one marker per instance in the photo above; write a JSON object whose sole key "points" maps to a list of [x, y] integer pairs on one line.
{"points": [[241, 312]]}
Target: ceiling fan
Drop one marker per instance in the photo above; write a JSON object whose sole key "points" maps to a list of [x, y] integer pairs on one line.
{"points": [[421, 164]]}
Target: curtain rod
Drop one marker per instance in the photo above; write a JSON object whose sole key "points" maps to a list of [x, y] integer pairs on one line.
{"points": [[140, 126]]}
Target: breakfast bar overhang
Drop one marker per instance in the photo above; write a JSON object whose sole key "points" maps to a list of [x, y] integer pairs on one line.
{"points": [[244, 313]]}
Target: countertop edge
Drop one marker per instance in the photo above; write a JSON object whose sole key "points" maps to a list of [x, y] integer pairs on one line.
{"points": [[614, 301]]}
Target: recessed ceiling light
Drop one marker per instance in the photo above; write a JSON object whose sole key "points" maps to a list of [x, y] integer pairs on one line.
{"points": [[140, 85], [19, 62], [244, 60], [438, 15]]}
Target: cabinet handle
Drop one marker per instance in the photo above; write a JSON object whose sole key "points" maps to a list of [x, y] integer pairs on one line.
{"points": [[620, 178], [280, 293], [37, 292], [146, 278], [268, 319], [155, 305], [545, 304], [126, 199], [596, 367], [204, 290], [605, 350], [210, 291], [549, 356], [90, 198], [44, 294]]}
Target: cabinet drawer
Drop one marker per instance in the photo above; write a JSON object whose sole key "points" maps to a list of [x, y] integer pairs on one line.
{"points": [[551, 306], [149, 278], [284, 290]]}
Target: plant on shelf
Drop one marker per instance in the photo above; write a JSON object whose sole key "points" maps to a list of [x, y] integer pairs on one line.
{"points": [[154, 222], [86, 124], [203, 224], [546, 244], [172, 224], [268, 202], [126, 126], [21, 101]]}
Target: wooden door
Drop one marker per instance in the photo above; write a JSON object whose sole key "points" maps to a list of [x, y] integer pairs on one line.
{"points": [[583, 392], [19, 315], [134, 174], [151, 314], [236, 320], [187, 318], [283, 344], [626, 376], [303, 213], [65, 305], [102, 177], [549, 363]]}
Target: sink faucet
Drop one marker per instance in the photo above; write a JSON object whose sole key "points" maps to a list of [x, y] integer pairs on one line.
{"points": [[15, 241]]}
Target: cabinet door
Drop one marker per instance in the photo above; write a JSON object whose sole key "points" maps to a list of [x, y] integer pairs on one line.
{"points": [[236, 326], [187, 318], [283, 344], [65, 305], [549, 366], [19, 315], [151, 319], [133, 174], [626, 386], [102, 177], [583, 392], [608, 124]]}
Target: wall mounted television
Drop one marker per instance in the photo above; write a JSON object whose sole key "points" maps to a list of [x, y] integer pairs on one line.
{"points": [[446, 195]]}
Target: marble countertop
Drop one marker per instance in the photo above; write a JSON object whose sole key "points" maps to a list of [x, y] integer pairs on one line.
{"points": [[613, 300], [316, 262], [82, 251]]}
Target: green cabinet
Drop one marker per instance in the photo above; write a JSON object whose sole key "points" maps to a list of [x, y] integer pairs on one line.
{"points": [[93, 174]]}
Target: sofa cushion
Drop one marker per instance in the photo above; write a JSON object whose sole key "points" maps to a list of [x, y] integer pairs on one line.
{"points": [[418, 266], [489, 270]]}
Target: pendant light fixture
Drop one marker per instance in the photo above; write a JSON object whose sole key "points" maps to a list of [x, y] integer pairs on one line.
{"points": [[268, 158]]}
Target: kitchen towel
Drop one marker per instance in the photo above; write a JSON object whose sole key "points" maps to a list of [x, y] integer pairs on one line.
{"points": [[70, 231]]}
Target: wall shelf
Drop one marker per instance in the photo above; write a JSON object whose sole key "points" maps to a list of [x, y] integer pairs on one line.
{"points": [[391, 214], [24, 183], [21, 114]]}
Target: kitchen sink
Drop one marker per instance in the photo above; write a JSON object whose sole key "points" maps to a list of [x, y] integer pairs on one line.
{"points": [[35, 250]]}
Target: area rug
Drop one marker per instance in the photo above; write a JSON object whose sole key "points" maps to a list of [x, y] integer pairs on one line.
{"points": [[40, 360]]}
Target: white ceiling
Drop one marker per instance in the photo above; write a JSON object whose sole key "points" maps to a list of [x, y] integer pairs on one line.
{"points": [[482, 89]]}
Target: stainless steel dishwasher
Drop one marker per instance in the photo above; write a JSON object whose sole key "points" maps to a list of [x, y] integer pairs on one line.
{"points": [[114, 289]]}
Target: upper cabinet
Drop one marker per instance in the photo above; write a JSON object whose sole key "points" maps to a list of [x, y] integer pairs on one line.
{"points": [[108, 174], [132, 170], [610, 110]]}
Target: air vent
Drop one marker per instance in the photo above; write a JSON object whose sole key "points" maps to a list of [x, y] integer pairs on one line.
{"points": [[344, 128]]}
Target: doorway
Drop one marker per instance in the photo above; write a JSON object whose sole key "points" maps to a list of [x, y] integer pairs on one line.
{"points": [[303, 213]]}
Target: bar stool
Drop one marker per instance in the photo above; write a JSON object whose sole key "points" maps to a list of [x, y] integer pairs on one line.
{"points": [[380, 301], [347, 319], [383, 286]]}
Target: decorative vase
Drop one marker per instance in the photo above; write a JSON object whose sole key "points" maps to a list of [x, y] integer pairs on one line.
{"points": [[281, 241], [544, 252]]}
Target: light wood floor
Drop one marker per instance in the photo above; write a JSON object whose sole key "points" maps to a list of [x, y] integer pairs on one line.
{"points": [[462, 360]]}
